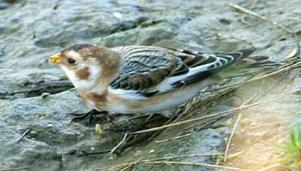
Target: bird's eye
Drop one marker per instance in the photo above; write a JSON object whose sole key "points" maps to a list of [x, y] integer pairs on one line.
{"points": [[71, 61]]}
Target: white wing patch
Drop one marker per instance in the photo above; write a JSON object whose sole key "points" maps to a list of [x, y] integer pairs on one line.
{"points": [[166, 85], [128, 94]]}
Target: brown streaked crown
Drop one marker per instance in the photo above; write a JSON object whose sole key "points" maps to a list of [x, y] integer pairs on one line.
{"points": [[78, 47], [90, 51], [108, 60]]}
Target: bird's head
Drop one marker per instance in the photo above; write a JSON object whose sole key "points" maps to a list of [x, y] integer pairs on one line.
{"points": [[87, 65]]}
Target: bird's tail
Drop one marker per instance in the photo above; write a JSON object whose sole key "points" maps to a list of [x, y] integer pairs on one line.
{"points": [[258, 61], [243, 53], [264, 62], [231, 58]]}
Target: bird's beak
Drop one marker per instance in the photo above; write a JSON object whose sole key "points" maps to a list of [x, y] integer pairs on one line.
{"points": [[56, 59]]}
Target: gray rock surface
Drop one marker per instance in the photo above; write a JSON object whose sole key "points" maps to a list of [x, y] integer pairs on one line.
{"points": [[32, 30]]}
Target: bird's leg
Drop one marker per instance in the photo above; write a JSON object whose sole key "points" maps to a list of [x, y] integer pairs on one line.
{"points": [[80, 116], [101, 116], [109, 118], [138, 123], [92, 115], [84, 153]]}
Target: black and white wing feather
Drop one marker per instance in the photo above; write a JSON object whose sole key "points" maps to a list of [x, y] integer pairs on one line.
{"points": [[151, 70]]}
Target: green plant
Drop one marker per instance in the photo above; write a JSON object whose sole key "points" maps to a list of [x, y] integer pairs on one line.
{"points": [[292, 149]]}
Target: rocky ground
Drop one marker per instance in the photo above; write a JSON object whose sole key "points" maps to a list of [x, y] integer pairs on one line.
{"points": [[36, 98]]}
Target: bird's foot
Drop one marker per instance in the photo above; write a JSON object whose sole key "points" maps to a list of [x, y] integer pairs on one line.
{"points": [[93, 117]]}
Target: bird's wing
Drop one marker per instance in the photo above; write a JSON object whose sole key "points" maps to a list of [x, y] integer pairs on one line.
{"points": [[151, 70]]}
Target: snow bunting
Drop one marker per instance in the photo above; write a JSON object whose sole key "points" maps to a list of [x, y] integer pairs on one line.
{"points": [[140, 79]]}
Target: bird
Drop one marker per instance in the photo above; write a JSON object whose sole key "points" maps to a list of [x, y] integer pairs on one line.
{"points": [[140, 79]]}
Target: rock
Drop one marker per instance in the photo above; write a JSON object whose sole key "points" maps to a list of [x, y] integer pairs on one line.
{"points": [[204, 142]]}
